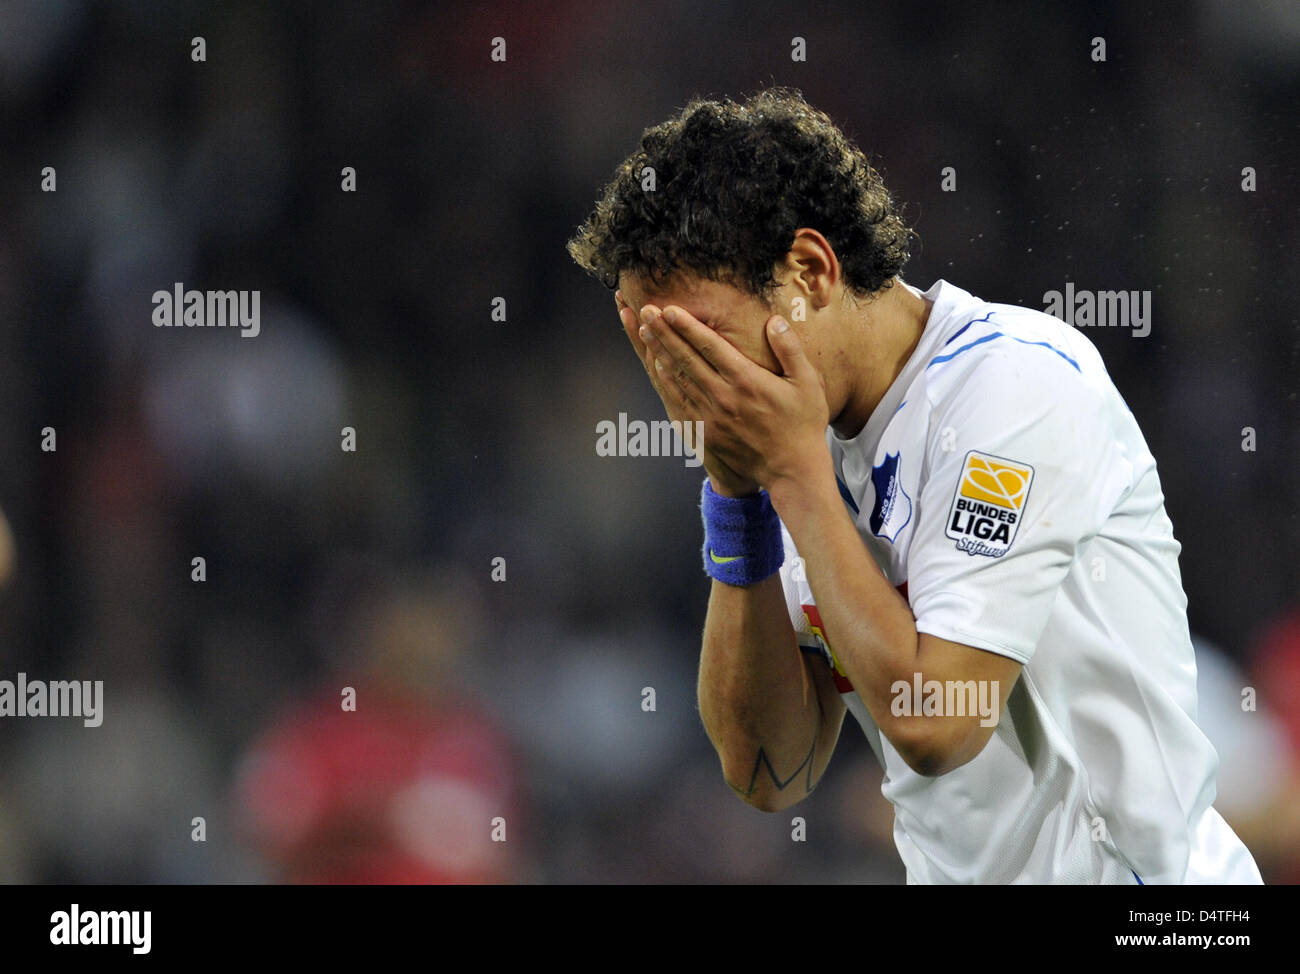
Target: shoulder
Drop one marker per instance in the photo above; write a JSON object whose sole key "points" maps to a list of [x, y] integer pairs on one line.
{"points": [[1019, 387], [1015, 359]]}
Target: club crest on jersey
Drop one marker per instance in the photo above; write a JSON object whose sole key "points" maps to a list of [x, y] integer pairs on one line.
{"points": [[893, 508], [988, 505]]}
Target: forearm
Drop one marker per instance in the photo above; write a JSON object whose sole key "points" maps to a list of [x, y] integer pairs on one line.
{"points": [[772, 718], [868, 624]]}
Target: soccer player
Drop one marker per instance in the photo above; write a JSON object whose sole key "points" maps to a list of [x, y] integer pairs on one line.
{"points": [[933, 511]]}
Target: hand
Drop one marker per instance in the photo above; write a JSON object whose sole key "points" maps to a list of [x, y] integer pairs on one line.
{"points": [[725, 480], [767, 428]]}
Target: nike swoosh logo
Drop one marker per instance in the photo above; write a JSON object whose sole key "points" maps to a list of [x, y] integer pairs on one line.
{"points": [[722, 561]]}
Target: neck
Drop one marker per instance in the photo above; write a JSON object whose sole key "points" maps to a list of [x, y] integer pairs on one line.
{"points": [[883, 334]]}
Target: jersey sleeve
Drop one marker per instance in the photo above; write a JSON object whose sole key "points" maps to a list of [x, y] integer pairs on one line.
{"points": [[1023, 468]]}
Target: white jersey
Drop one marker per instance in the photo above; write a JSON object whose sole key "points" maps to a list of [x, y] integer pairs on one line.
{"points": [[1004, 487]]}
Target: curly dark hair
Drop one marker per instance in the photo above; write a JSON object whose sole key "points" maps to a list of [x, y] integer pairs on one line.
{"points": [[733, 181]]}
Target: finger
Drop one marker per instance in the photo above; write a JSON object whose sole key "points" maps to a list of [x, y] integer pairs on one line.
{"points": [[677, 355], [631, 325], [716, 350], [788, 349], [627, 317], [677, 400]]}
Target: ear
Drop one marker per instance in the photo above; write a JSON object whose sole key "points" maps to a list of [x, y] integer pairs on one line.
{"points": [[812, 269]]}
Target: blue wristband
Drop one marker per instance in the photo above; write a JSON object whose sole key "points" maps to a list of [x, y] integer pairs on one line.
{"points": [[742, 537]]}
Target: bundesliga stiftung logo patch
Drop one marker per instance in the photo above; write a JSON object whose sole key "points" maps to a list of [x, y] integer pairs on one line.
{"points": [[988, 504]]}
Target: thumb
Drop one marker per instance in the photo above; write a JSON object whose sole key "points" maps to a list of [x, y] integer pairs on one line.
{"points": [[789, 350]]}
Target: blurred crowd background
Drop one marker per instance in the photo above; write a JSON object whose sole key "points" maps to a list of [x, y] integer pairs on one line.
{"points": [[521, 699]]}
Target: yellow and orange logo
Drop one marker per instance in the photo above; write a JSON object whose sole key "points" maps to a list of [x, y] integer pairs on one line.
{"points": [[993, 480]]}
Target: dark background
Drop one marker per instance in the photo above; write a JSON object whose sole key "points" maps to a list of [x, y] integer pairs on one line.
{"points": [[476, 438]]}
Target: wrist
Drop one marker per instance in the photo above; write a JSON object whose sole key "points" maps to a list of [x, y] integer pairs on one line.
{"points": [[814, 478], [725, 487], [742, 537]]}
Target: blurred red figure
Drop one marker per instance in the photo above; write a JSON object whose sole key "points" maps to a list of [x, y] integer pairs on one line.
{"points": [[6, 551], [410, 787], [1275, 668]]}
